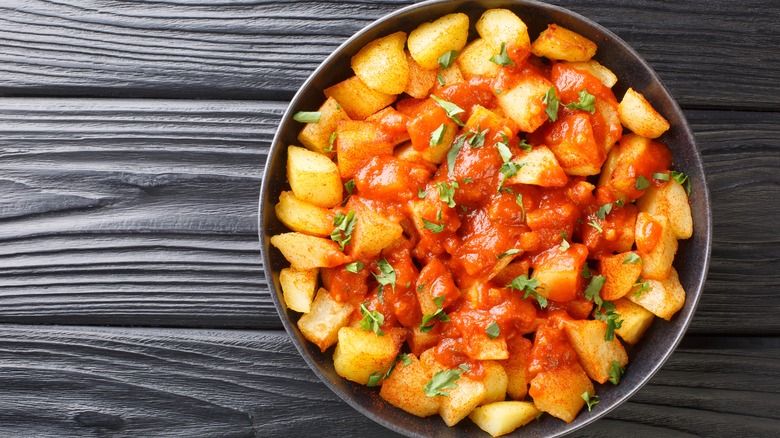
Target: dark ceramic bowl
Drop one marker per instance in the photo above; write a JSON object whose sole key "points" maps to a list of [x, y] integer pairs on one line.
{"points": [[691, 261]]}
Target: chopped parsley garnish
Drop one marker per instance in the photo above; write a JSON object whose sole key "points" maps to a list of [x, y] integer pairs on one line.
{"points": [[344, 226], [426, 325], [509, 170], [615, 372], [502, 58], [372, 320], [444, 379], [307, 116], [503, 148], [596, 226], [642, 287], [519, 200], [452, 155], [525, 145], [585, 271], [593, 289], [446, 60], [590, 400], [683, 180], [586, 102], [440, 79], [604, 211], [438, 135], [524, 284], [619, 203], [432, 226], [447, 193], [661, 176], [507, 253], [376, 377], [632, 258], [421, 193], [468, 180], [551, 99], [354, 267], [405, 359], [477, 139], [331, 142], [451, 109], [565, 245], [349, 186], [611, 317], [493, 330], [386, 275], [642, 183]]}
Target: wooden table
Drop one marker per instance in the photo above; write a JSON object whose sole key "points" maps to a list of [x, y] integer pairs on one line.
{"points": [[133, 136]]}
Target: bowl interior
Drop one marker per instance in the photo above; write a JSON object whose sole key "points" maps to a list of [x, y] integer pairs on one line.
{"points": [[691, 261]]}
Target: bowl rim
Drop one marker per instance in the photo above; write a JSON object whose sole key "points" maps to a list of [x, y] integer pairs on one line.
{"points": [[276, 146]]}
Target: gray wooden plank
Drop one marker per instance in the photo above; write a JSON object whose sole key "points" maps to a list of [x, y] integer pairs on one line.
{"points": [[76, 381], [143, 212], [722, 56]]}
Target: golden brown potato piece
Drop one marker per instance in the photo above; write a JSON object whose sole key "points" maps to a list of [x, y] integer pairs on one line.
{"points": [[665, 297], [495, 381], [499, 26], [373, 231], [620, 275], [404, 388], [639, 116], [321, 325], [562, 44], [462, 400], [475, 59], [309, 252], [313, 177], [524, 102], [636, 320], [357, 99], [501, 418], [298, 286], [656, 245], [431, 40], [381, 64], [559, 391], [516, 367], [420, 80], [360, 353], [316, 136], [671, 201], [540, 168], [304, 217], [596, 354], [356, 142], [420, 341], [593, 67]]}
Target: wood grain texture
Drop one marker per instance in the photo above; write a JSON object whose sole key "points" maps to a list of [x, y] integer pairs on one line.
{"points": [[143, 212], [71, 381], [713, 56]]}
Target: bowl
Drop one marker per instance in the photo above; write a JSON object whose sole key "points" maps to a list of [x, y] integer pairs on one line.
{"points": [[692, 259]]}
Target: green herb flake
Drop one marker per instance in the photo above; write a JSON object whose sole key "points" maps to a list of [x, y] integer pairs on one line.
{"points": [[405, 359], [438, 135], [446, 60], [619, 203], [493, 330], [451, 109], [372, 320], [354, 267], [593, 289], [344, 226], [611, 317], [421, 193], [525, 145], [452, 155], [642, 183], [641, 287], [502, 58], [552, 102], [468, 180], [510, 252], [440, 79], [477, 139], [509, 170], [349, 186], [586, 102], [596, 226], [615, 372], [683, 180], [590, 400], [375, 378], [307, 116], [604, 211], [503, 148], [386, 274], [447, 192], [432, 226], [331, 142], [444, 379], [632, 258], [661, 176], [585, 272], [524, 284], [426, 325], [565, 245]]}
